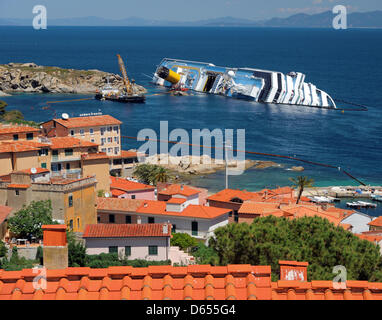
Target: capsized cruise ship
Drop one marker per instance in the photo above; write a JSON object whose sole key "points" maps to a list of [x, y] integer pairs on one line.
{"points": [[242, 83]]}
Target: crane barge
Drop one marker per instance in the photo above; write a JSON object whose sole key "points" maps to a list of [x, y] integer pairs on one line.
{"points": [[128, 95]]}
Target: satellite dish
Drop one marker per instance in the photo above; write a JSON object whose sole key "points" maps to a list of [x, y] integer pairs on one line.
{"points": [[65, 116], [107, 195], [231, 73], [34, 170]]}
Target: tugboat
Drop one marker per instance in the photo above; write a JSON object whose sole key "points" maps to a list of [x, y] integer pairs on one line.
{"points": [[129, 95]]}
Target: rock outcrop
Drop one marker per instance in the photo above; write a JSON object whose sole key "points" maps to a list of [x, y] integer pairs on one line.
{"points": [[204, 164], [29, 77]]}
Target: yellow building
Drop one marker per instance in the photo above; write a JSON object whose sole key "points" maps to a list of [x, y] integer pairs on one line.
{"points": [[14, 132]]}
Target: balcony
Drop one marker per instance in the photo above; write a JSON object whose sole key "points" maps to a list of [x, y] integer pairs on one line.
{"points": [[56, 159]]}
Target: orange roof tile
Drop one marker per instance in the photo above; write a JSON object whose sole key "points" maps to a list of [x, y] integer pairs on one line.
{"points": [[126, 230], [192, 211], [92, 121], [117, 193], [93, 156], [251, 207], [376, 222], [18, 186], [126, 154], [176, 200], [116, 204], [127, 185], [368, 237], [183, 190], [196, 282], [4, 213], [227, 195], [21, 146], [28, 171], [70, 142], [13, 129]]}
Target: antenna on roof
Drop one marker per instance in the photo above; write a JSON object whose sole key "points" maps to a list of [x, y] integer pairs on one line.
{"points": [[33, 170], [65, 116]]}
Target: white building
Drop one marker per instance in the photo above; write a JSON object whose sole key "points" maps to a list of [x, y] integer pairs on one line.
{"points": [[359, 221]]}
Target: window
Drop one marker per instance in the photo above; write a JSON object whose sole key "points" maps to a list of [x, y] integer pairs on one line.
{"points": [[116, 139], [103, 150], [133, 196], [71, 224], [236, 216], [72, 132], [98, 219], [230, 214], [116, 150], [103, 131], [109, 150], [68, 166], [92, 140], [109, 129], [194, 228], [43, 165], [70, 200], [113, 249], [78, 223], [17, 192], [110, 139], [127, 251], [153, 250], [15, 137], [103, 141], [43, 152], [68, 152], [82, 132], [128, 219], [91, 130], [151, 220], [116, 129], [29, 136], [111, 218], [173, 229]]}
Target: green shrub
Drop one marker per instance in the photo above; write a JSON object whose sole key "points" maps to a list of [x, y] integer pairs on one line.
{"points": [[183, 240]]}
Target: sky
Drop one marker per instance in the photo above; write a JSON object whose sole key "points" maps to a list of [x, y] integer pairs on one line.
{"points": [[179, 10]]}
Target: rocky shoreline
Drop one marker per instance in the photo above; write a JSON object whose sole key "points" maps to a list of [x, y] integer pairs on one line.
{"points": [[200, 165], [32, 78]]}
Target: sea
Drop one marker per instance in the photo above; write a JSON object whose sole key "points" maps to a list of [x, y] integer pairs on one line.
{"points": [[345, 63]]}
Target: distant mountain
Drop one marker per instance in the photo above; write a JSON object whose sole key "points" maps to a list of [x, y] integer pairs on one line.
{"points": [[301, 20]]}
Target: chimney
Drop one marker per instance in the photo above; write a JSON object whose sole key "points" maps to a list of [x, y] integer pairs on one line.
{"points": [[55, 246], [165, 228], [293, 271]]}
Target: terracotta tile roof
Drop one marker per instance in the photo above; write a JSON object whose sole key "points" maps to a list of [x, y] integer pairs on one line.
{"points": [[195, 282], [227, 195], [126, 185], [376, 222], [70, 142], [18, 186], [116, 204], [191, 211], [251, 207], [28, 171], [93, 156], [117, 193], [183, 190], [13, 129], [368, 237], [21, 146], [4, 213], [346, 226], [126, 230], [177, 200], [92, 121], [127, 154]]}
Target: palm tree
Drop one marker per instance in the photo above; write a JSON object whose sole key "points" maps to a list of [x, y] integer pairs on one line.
{"points": [[301, 182], [160, 175]]}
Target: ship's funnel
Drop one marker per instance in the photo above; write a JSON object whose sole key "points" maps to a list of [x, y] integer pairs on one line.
{"points": [[168, 75]]}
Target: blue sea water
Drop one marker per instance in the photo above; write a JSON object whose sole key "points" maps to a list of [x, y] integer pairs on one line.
{"points": [[346, 64]]}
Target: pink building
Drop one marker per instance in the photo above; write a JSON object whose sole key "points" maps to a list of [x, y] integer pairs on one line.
{"points": [[125, 189], [134, 241]]}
